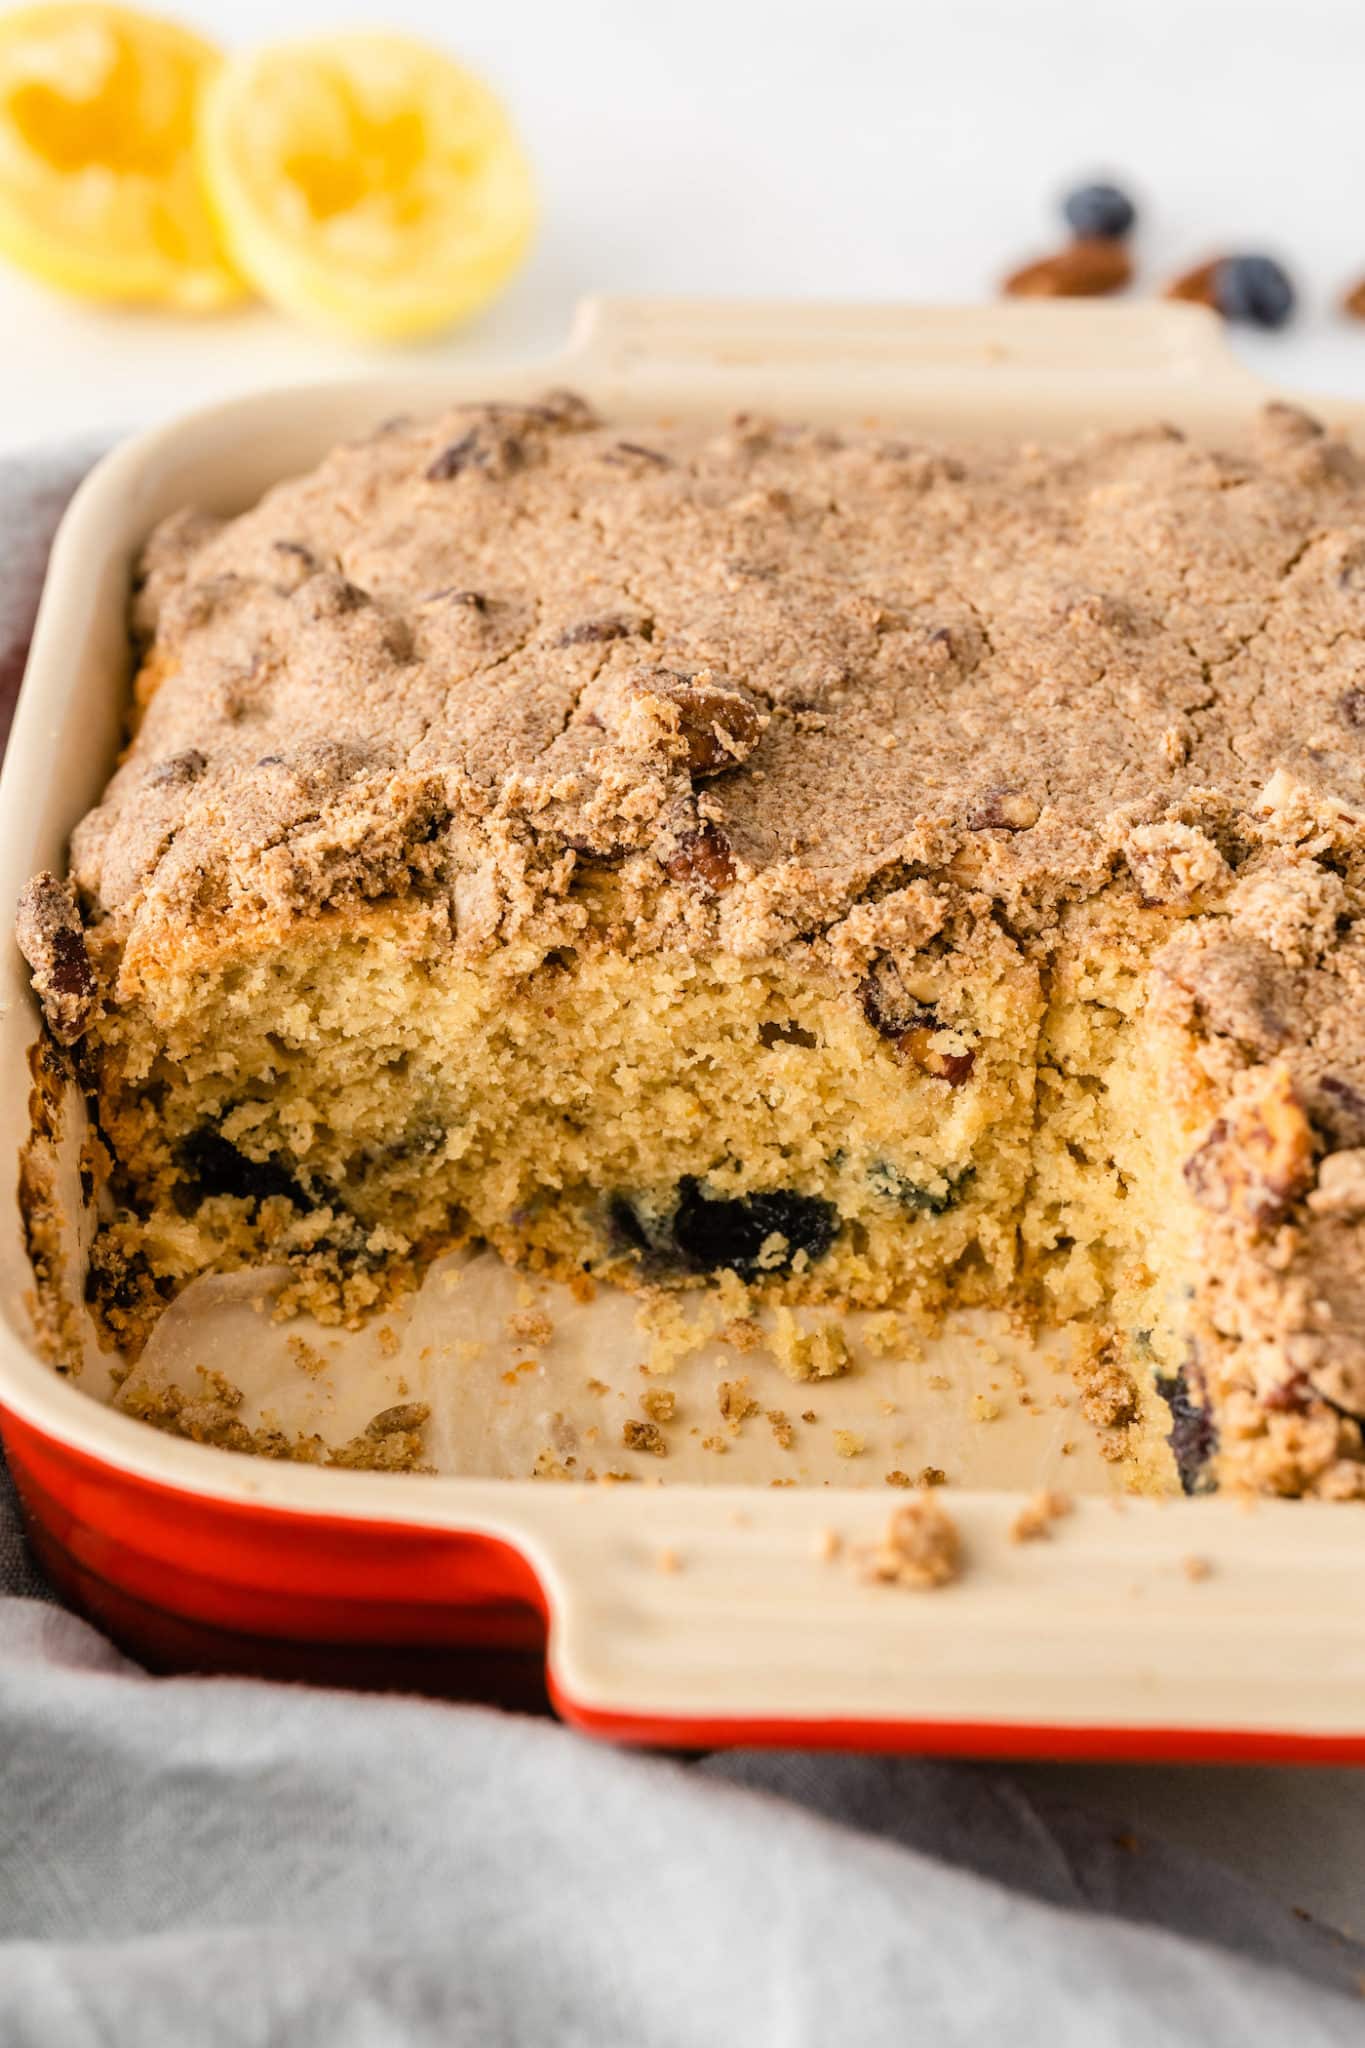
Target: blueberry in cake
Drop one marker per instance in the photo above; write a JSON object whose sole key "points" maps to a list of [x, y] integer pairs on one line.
{"points": [[890, 875]]}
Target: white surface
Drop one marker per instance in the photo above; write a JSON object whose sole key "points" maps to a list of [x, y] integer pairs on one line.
{"points": [[876, 149]]}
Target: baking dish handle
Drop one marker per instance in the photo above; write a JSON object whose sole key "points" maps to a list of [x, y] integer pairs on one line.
{"points": [[1154, 343]]}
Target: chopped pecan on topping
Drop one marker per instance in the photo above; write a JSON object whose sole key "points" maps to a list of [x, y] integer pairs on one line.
{"points": [[704, 719], [472, 600], [1084, 270], [298, 562], [298, 550], [488, 446], [1257, 1159], [178, 768], [1290, 1397], [589, 632], [915, 1031], [1351, 704], [1238, 987], [1338, 1111], [328, 595], [703, 860], [52, 940], [1003, 810], [567, 409], [634, 448]]}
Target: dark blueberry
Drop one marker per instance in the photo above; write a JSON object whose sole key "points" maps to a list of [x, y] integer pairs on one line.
{"points": [[1193, 1438], [1254, 289], [626, 1228], [1099, 213], [216, 1167], [711, 1233]]}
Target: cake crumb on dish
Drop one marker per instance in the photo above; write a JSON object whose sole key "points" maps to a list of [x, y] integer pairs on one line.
{"points": [[530, 1326], [1036, 1517], [921, 1548], [644, 1436], [735, 1402]]}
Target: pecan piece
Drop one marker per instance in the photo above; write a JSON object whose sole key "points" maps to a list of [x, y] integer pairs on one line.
{"points": [[704, 720], [1003, 810], [913, 1030], [1257, 1158], [702, 860], [52, 940]]}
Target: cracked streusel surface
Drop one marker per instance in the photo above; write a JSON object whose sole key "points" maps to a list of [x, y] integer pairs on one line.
{"points": [[884, 873]]}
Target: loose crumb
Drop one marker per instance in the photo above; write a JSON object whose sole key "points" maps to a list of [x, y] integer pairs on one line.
{"points": [[667, 1560], [735, 1402], [848, 1444], [899, 1478], [984, 1409], [921, 1548], [938, 1383], [932, 1475], [659, 1404], [809, 1415], [827, 1543], [530, 1326], [716, 1444], [305, 1357], [388, 1341], [644, 1436], [1036, 1517], [1196, 1567], [783, 1433], [819, 1354], [742, 1335]]}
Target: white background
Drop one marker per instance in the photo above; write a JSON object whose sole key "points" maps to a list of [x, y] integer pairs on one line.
{"points": [[864, 149], [860, 148]]}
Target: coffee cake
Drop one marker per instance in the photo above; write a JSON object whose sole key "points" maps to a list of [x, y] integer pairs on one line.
{"points": [[883, 873]]}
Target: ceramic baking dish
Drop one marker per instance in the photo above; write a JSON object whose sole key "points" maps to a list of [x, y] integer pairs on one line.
{"points": [[688, 1613]]}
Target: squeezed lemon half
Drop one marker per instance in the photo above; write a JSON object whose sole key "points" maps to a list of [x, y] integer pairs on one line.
{"points": [[366, 182], [100, 192]]}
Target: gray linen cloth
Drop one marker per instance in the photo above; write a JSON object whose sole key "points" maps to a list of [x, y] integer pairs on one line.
{"points": [[221, 1861]]}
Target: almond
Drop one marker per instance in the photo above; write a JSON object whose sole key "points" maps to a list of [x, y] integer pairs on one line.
{"points": [[1084, 270], [1354, 301], [1197, 285]]}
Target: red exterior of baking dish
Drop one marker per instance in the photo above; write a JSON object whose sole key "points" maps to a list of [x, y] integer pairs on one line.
{"points": [[184, 1581]]}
